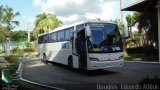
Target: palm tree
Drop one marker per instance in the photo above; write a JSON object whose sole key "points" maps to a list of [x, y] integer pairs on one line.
{"points": [[1, 15], [130, 21], [45, 22], [9, 16]]}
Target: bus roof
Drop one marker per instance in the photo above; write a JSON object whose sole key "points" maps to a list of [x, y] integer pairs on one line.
{"points": [[74, 24]]}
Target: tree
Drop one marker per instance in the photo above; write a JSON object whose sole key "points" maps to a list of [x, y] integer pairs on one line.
{"points": [[131, 20], [121, 27], [1, 15], [120, 24], [9, 16], [45, 22], [7, 22]]}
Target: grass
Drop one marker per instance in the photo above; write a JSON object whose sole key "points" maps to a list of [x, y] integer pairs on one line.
{"points": [[22, 54]]}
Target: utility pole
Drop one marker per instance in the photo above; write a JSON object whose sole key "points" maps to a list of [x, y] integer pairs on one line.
{"points": [[28, 36], [124, 41], [121, 10]]}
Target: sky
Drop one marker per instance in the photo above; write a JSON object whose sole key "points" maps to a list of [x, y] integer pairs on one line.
{"points": [[68, 11]]}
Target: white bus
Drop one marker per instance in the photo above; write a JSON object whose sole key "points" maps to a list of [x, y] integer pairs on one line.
{"points": [[85, 45]]}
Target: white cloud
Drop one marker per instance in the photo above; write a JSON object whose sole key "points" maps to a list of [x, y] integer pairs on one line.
{"points": [[70, 18], [38, 3], [75, 10]]}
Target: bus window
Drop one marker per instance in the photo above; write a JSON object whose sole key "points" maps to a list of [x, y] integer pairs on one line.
{"points": [[71, 32], [53, 37], [40, 40], [79, 27], [67, 34], [49, 38], [46, 38], [61, 36]]}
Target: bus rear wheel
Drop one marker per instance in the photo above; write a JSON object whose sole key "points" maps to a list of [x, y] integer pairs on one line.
{"points": [[70, 62], [44, 58]]}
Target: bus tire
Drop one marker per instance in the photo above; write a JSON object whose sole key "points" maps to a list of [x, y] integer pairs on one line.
{"points": [[44, 58], [70, 62]]}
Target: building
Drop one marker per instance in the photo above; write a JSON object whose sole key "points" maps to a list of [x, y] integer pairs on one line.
{"points": [[151, 8]]}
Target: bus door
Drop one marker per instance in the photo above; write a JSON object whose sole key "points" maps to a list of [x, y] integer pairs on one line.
{"points": [[81, 49]]}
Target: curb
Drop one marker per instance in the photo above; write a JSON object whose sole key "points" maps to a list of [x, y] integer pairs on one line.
{"points": [[19, 72], [145, 62], [25, 80]]}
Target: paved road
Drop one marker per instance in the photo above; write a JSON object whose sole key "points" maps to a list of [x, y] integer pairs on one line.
{"points": [[61, 76]]}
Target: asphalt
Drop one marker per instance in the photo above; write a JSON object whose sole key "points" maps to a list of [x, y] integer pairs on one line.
{"points": [[61, 76]]}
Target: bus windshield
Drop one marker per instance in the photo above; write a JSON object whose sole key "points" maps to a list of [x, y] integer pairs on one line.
{"points": [[104, 38]]}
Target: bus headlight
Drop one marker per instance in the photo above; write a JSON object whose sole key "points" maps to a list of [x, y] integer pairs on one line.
{"points": [[93, 59]]}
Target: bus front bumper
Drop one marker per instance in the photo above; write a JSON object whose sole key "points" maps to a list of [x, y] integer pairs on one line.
{"points": [[93, 65]]}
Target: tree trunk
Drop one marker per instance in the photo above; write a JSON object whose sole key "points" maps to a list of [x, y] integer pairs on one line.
{"points": [[125, 48], [131, 32]]}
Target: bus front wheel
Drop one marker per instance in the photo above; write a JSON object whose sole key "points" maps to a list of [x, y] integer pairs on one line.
{"points": [[70, 62]]}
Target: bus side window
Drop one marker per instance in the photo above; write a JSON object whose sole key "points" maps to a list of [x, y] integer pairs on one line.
{"points": [[67, 38], [79, 27], [49, 38], [62, 35], [54, 35], [43, 39], [58, 36], [39, 39], [71, 33]]}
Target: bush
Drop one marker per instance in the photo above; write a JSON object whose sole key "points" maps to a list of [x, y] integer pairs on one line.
{"points": [[13, 66], [31, 46], [13, 62], [16, 49], [135, 50], [11, 59], [29, 50], [150, 50]]}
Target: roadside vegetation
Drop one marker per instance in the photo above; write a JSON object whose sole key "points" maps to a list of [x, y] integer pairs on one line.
{"points": [[142, 44]]}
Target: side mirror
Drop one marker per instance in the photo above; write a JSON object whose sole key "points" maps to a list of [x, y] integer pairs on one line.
{"points": [[88, 31], [125, 32]]}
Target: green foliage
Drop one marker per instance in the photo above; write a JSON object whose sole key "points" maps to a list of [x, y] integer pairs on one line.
{"points": [[131, 20], [146, 53], [45, 22], [120, 24], [13, 66], [9, 16], [13, 62], [31, 46], [18, 35], [7, 22], [29, 50], [11, 59], [3, 34], [16, 49]]}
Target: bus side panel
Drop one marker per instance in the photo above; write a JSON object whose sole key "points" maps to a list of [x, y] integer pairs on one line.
{"points": [[56, 52], [41, 50], [75, 61]]}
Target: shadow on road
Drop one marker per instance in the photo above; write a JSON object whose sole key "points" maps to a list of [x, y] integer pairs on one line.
{"points": [[84, 72]]}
